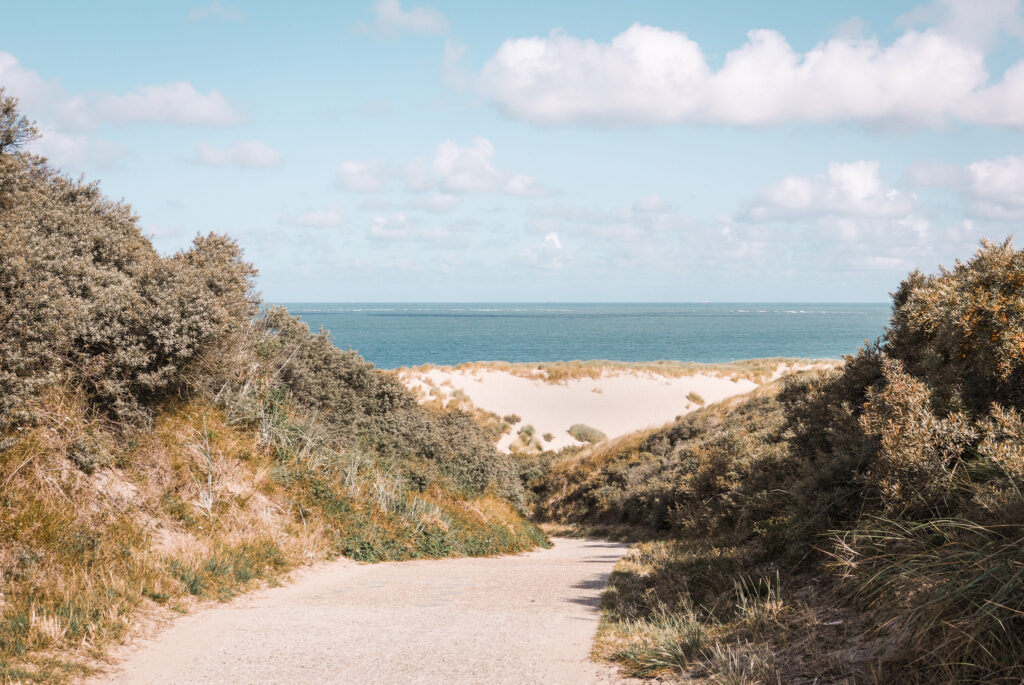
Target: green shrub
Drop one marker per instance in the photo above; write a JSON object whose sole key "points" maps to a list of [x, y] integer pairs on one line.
{"points": [[585, 433], [84, 297], [894, 482]]}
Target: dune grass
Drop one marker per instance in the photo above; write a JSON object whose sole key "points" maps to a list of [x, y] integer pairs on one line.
{"points": [[756, 370]]}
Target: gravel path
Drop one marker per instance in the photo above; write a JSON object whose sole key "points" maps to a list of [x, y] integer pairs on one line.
{"points": [[515, 619]]}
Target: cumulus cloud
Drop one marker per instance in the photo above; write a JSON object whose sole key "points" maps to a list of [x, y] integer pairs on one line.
{"points": [[77, 149], [394, 227], [651, 204], [389, 19], [172, 103], [524, 185], [978, 22], [217, 12], [996, 187], [178, 103], [648, 75], [360, 177], [991, 188], [332, 217], [251, 154], [548, 254], [852, 189], [468, 169]]}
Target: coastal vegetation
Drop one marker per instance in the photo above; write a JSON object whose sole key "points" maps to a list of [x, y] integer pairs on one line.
{"points": [[861, 524], [166, 439], [756, 370], [584, 433]]}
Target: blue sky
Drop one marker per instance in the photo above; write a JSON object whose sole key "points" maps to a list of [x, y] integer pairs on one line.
{"points": [[536, 151]]}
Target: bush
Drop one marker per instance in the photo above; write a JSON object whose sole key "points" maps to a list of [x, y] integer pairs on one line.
{"points": [[585, 433], [891, 490], [85, 298]]}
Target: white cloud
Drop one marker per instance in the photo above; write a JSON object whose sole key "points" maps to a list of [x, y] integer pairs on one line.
{"points": [[996, 187], [548, 254], [25, 84], [172, 103], [1001, 104], [467, 169], [360, 177], [390, 19], [331, 217], [991, 188], [851, 189], [525, 185], [394, 227], [651, 204], [252, 154], [76, 149], [178, 103], [216, 11], [648, 75], [978, 22]]}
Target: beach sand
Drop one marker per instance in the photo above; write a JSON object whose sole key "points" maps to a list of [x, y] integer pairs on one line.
{"points": [[617, 402]]}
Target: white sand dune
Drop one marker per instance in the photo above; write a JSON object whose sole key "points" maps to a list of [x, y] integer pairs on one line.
{"points": [[618, 402]]}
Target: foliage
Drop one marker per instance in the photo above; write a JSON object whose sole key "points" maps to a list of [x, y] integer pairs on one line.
{"points": [[890, 489], [585, 433], [162, 441]]}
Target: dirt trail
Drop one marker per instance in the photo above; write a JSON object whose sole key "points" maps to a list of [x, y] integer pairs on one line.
{"points": [[516, 619]]}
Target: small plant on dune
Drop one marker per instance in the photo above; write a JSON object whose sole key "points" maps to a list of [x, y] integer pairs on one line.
{"points": [[511, 419], [664, 642], [695, 398], [585, 433], [548, 437]]}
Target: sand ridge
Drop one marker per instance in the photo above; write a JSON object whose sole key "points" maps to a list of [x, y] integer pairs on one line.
{"points": [[617, 402]]}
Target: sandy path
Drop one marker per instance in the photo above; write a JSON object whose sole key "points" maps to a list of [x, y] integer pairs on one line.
{"points": [[529, 618]]}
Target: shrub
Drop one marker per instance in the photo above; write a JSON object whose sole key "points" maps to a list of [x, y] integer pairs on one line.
{"points": [[85, 298], [512, 419], [585, 433], [695, 398]]}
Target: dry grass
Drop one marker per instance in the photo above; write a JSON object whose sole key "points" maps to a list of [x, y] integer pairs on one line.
{"points": [[756, 370], [198, 507]]}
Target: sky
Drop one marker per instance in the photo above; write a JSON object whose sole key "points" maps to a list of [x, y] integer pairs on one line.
{"points": [[426, 150]]}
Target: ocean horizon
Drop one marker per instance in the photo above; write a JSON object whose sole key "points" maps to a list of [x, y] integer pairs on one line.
{"points": [[397, 334]]}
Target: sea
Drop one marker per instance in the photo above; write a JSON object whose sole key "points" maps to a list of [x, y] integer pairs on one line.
{"points": [[393, 335]]}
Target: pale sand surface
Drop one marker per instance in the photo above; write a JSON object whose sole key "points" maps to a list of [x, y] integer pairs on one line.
{"points": [[529, 618], [617, 403]]}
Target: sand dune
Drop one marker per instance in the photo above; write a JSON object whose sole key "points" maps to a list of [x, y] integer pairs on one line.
{"points": [[617, 402]]}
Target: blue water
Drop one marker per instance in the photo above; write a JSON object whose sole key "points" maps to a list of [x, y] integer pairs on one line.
{"points": [[393, 335]]}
